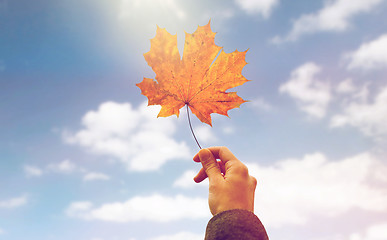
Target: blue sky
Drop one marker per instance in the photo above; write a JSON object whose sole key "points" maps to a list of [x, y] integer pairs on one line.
{"points": [[83, 157]]}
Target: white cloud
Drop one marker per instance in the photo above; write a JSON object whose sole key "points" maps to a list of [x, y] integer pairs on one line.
{"points": [[335, 16], [32, 171], [228, 130], [79, 209], [186, 180], [205, 134], [311, 94], [263, 7], [180, 236], [152, 208], [66, 166], [137, 8], [346, 86], [218, 14], [1, 231], [295, 191], [370, 55], [135, 136], [92, 176], [14, 202], [370, 118], [374, 232], [261, 104]]}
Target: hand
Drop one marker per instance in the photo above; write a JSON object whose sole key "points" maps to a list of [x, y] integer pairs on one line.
{"points": [[231, 186]]}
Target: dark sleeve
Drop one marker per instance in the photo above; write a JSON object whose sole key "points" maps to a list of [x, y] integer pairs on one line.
{"points": [[235, 224]]}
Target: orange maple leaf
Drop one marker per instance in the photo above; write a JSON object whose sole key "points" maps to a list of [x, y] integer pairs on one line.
{"points": [[196, 80]]}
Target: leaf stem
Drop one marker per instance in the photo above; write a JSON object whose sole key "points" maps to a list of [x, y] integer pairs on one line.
{"points": [[190, 126]]}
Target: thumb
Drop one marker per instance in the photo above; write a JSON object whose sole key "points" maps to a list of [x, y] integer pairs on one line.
{"points": [[211, 167]]}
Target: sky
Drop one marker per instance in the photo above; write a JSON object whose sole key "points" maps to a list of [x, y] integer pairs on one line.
{"points": [[83, 157]]}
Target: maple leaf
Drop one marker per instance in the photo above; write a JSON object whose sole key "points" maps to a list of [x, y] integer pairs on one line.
{"points": [[196, 80]]}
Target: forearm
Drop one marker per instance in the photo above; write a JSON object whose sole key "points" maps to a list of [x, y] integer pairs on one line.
{"points": [[235, 224]]}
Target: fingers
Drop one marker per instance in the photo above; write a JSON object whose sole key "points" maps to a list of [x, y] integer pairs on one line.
{"points": [[218, 169], [230, 162], [210, 165], [224, 154], [201, 175]]}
